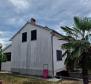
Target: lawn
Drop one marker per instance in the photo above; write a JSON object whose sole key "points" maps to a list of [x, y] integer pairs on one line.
{"points": [[17, 79], [71, 82], [12, 79], [20, 79]]}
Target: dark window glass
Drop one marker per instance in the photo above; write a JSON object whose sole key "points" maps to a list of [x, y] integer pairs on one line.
{"points": [[24, 37], [8, 56], [59, 55], [33, 35]]}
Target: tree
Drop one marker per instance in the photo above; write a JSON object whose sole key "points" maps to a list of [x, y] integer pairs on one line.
{"points": [[78, 46], [2, 56]]}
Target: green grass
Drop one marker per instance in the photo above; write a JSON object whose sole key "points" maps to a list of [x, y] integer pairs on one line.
{"points": [[19, 79], [12, 79]]}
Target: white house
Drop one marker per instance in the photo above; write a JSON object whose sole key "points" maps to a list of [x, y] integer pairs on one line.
{"points": [[33, 49]]}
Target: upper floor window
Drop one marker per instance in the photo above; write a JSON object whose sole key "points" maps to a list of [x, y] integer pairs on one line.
{"points": [[59, 55], [24, 37], [33, 35]]}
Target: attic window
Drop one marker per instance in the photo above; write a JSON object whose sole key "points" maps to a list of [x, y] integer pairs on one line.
{"points": [[33, 35], [24, 37], [59, 55]]}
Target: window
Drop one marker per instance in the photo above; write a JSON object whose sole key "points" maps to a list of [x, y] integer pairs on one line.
{"points": [[59, 55], [33, 35], [24, 37], [8, 56]]}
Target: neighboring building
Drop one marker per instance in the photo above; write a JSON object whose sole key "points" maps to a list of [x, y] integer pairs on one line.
{"points": [[6, 66], [33, 49]]}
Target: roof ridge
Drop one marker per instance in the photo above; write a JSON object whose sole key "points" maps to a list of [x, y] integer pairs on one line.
{"points": [[47, 28]]}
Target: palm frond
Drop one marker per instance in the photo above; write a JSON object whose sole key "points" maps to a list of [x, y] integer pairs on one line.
{"points": [[77, 45], [87, 37], [77, 22], [84, 24], [69, 31], [76, 53], [67, 46], [67, 38], [65, 53]]}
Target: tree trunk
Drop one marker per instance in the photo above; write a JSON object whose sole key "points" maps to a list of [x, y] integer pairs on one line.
{"points": [[85, 75]]}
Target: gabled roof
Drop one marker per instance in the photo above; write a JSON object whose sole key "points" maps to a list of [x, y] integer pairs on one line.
{"points": [[7, 47], [46, 28]]}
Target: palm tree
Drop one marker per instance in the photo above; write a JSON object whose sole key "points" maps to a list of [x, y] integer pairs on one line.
{"points": [[77, 46], [2, 56]]}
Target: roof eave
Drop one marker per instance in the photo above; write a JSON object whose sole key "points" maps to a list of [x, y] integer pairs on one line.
{"points": [[19, 31]]}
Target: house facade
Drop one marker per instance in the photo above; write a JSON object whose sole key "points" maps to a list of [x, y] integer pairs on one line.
{"points": [[33, 49]]}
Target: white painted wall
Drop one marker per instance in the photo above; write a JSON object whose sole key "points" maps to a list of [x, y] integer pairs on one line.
{"points": [[6, 66], [32, 54], [58, 65]]}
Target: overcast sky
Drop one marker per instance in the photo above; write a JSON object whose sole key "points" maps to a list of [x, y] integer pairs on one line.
{"points": [[51, 13]]}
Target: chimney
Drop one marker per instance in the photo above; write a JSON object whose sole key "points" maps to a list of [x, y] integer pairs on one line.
{"points": [[33, 21]]}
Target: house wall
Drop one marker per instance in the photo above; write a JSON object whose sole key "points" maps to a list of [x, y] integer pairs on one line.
{"points": [[31, 56], [58, 65], [6, 66]]}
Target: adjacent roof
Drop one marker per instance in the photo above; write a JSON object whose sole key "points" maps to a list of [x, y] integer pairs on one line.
{"points": [[46, 28], [7, 47]]}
